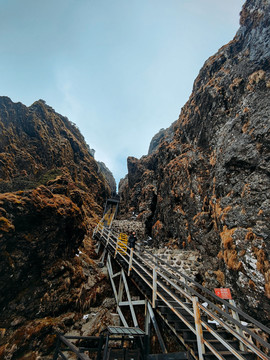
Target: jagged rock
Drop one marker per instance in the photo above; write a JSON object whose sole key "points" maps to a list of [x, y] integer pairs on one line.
{"points": [[208, 187], [37, 145], [108, 176]]}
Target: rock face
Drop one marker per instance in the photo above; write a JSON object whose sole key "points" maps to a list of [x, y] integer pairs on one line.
{"points": [[162, 135], [51, 192], [208, 188]]}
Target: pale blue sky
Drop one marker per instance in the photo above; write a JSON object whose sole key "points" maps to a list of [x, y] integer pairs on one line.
{"points": [[119, 69]]}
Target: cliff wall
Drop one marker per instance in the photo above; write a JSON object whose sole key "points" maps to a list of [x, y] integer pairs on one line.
{"points": [[51, 195], [207, 187]]}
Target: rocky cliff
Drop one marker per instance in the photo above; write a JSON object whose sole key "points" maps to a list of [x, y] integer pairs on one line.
{"points": [[207, 187], [51, 192]]}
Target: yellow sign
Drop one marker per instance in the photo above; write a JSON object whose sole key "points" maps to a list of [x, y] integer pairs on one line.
{"points": [[122, 243]]}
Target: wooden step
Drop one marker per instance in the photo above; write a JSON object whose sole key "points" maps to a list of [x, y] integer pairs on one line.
{"points": [[160, 302], [189, 335], [229, 356], [182, 327], [215, 343], [166, 310], [172, 317]]}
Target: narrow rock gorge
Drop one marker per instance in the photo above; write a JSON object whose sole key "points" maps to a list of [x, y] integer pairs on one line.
{"points": [[205, 183], [51, 196], [203, 189]]}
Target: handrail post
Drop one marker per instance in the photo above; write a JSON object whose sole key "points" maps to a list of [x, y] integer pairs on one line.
{"points": [[130, 261], [198, 325], [108, 238], [184, 280], [100, 343], [116, 247], [235, 315], [154, 294], [147, 317], [102, 230], [106, 348]]}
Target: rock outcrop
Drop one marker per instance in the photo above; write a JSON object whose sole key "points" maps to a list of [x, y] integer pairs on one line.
{"points": [[51, 195], [108, 176], [162, 135], [207, 189]]}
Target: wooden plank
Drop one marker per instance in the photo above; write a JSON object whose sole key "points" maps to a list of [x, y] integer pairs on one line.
{"points": [[134, 318], [154, 322], [154, 292], [130, 261], [134, 302], [109, 266], [122, 316], [198, 326]]}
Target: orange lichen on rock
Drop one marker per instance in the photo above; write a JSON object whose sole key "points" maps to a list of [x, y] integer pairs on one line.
{"points": [[215, 204], [179, 209], [157, 227], [200, 218], [235, 84], [218, 213], [245, 127], [12, 198], [242, 253], [246, 190], [267, 287], [213, 158], [256, 77], [43, 197], [220, 255], [225, 212], [263, 264], [251, 284], [227, 237], [267, 284], [250, 235], [220, 277], [231, 260], [6, 225], [230, 255], [230, 193], [3, 350]]}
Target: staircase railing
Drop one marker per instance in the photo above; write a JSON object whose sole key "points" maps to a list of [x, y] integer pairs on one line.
{"points": [[178, 291]]}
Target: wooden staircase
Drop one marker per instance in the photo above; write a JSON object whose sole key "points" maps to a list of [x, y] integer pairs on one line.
{"points": [[193, 313]]}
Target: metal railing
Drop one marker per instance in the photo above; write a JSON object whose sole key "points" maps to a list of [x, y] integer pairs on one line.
{"points": [[180, 292]]}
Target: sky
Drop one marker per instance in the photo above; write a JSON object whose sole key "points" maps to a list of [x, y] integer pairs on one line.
{"points": [[119, 69]]}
